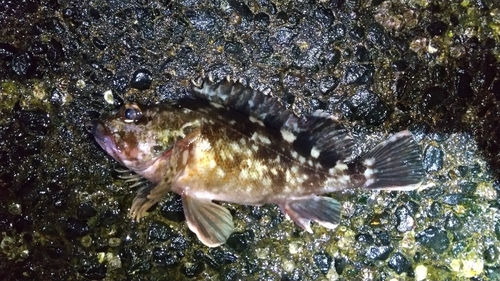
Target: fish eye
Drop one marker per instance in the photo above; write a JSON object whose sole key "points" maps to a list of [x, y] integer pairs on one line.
{"points": [[131, 113]]}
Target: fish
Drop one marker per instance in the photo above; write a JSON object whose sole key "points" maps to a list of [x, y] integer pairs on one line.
{"points": [[227, 142]]}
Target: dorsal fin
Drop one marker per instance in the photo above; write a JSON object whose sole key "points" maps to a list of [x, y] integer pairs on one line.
{"points": [[324, 138], [246, 100], [318, 136]]}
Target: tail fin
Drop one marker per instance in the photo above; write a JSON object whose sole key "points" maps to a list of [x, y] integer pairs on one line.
{"points": [[394, 164]]}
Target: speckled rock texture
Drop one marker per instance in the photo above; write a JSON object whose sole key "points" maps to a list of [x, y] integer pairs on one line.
{"points": [[428, 66]]}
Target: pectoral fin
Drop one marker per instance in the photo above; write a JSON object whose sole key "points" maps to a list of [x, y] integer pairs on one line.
{"points": [[323, 210], [211, 222]]}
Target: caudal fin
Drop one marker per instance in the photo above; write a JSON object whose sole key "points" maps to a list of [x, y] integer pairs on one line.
{"points": [[394, 164]]}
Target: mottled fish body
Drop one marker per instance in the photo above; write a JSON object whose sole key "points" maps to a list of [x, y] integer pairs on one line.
{"points": [[231, 143]]}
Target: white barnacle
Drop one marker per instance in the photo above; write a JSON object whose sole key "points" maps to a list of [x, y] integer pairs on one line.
{"points": [[295, 154], [255, 147], [288, 136], [294, 169]]}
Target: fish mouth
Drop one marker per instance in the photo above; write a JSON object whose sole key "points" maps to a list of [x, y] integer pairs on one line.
{"points": [[104, 138]]}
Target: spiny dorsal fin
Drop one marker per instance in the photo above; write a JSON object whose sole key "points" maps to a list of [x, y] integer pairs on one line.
{"points": [[246, 100], [318, 136]]}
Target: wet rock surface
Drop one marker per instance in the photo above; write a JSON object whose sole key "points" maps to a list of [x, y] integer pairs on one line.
{"points": [[380, 66]]}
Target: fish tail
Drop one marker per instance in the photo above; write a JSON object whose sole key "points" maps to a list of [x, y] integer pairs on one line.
{"points": [[394, 164]]}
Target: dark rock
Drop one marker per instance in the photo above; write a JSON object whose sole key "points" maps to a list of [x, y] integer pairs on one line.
{"points": [[37, 121], [56, 97], [337, 33], [491, 254], [55, 250], [178, 243], [85, 210], [324, 16], [382, 238], [141, 79], [262, 19], [55, 51], [362, 54], [377, 36], [235, 48], [120, 83], [434, 238], [405, 221], [434, 97], [328, 84], [193, 269], [399, 263], [468, 187], [322, 261], [165, 257], [93, 270], [365, 105], [463, 88], [435, 210], [99, 43], [433, 159], [201, 20], [110, 217], [172, 209], [296, 275], [378, 252], [365, 238], [357, 32], [359, 74], [452, 222], [7, 51], [400, 65], [222, 256], [331, 58], [159, 231], [340, 265], [285, 35], [453, 199], [239, 241], [76, 227], [24, 64], [437, 28]]}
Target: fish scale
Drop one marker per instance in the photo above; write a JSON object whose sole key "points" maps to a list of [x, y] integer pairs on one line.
{"points": [[230, 143]]}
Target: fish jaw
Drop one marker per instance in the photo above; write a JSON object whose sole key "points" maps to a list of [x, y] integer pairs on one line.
{"points": [[105, 139], [130, 156]]}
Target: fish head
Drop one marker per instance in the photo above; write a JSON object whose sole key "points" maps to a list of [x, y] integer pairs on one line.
{"points": [[132, 136]]}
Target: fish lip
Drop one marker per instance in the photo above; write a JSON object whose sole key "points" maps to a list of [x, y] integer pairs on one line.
{"points": [[104, 138]]}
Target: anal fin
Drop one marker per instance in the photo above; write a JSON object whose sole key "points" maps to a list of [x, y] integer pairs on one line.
{"points": [[211, 222], [323, 210]]}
